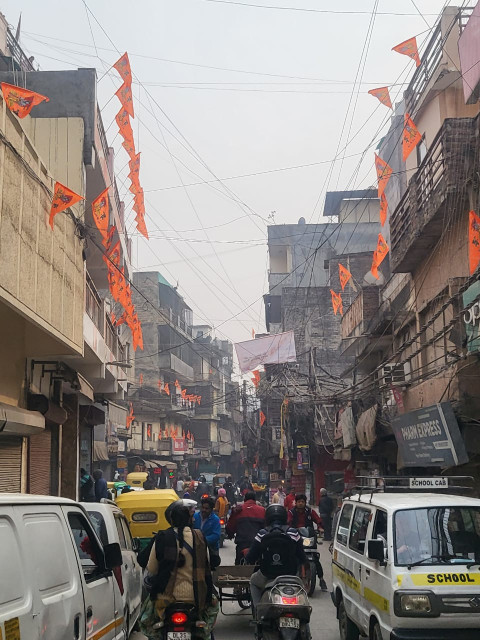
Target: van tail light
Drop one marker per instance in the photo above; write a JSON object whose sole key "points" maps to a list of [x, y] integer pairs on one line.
{"points": [[290, 600], [179, 617]]}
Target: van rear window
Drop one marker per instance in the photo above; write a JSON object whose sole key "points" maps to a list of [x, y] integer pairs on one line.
{"points": [[344, 524], [144, 516]]}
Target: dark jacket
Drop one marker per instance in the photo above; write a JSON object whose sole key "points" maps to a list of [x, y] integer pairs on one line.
{"points": [[230, 489], [101, 489], [278, 550], [245, 522], [87, 489], [326, 505]]}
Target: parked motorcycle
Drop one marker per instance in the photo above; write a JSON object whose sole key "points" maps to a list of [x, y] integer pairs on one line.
{"points": [[309, 574], [283, 611]]}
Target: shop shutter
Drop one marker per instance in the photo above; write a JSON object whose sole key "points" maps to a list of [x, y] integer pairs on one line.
{"points": [[10, 464], [39, 457]]}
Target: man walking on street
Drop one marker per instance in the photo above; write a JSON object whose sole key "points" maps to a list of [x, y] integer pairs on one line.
{"points": [[290, 499], [101, 490], [180, 485], [245, 522], [87, 489], [230, 489], [303, 516], [326, 507], [279, 497]]}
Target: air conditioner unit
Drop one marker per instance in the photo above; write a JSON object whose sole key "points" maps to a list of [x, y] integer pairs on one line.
{"points": [[395, 374]]}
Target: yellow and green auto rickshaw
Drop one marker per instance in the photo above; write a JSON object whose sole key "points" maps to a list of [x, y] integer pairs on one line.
{"points": [[145, 512]]}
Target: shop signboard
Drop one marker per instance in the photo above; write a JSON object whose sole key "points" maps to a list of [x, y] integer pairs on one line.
{"points": [[430, 437], [471, 316], [179, 446], [303, 456]]}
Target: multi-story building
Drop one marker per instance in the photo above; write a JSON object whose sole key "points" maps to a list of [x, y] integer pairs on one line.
{"points": [[410, 338], [66, 360]]}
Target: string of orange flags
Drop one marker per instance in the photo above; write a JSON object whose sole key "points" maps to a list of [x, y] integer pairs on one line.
{"points": [[337, 302], [21, 101], [473, 241], [124, 94], [130, 416], [409, 48], [379, 255], [344, 274], [256, 378]]}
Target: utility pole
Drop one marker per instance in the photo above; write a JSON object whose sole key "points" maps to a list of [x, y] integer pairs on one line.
{"points": [[244, 402]]}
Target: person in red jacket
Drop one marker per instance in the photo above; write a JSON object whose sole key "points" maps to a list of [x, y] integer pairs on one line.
{"points": [[244, 523], [290, 499]]}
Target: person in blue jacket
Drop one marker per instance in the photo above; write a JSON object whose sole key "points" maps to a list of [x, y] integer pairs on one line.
{"points": [[208, 522]]}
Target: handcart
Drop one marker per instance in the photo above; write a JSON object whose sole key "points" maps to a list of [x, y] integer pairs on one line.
{"points": [[233, 584]]}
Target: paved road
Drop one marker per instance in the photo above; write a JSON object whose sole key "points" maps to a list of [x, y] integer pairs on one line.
{"points": [[324, 624]]}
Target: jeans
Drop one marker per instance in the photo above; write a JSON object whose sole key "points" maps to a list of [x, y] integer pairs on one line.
{"points": [[327, 525], [258, 582]]}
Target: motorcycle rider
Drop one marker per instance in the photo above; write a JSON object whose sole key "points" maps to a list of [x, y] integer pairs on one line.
{"points": [[230, 489], [303, 516], [221, 505], [278, 549], [244, 523]]}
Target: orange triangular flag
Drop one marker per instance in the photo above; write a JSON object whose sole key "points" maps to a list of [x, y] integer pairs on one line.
{"points": [[263, 417], [384, 171], [411, 137], [101, 213], [21, 101], [383, 94], [130, 416], [122, 65], [160, 434], [337, 302], [345, 275], [129, 147], [409, 48], [63, 197], [165, 433], [177, 384], [383, 209], [166, 388], [124, 94], [379, 255], [256, 378], [473, 241]]}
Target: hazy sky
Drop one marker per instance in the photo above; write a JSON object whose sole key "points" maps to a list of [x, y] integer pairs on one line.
{"points": [[278, 99]]}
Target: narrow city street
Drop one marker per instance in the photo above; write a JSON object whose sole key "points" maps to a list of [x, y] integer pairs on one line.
{"points": [[324, 623]]}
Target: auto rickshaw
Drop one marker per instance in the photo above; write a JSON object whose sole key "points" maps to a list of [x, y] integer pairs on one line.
{"points": [[137, 478], [218, 481], [145, 512]]}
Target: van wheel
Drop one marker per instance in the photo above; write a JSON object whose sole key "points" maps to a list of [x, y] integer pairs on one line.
{"points": [[376, 632], [348, 629]]}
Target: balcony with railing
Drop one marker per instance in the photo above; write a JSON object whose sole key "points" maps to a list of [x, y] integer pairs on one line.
{"points": [[440, 58], [435, 192]]}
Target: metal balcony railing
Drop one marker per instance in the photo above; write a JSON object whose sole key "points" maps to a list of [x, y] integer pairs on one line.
{"points": [[17, 53], [438, 185], [93, 305]]}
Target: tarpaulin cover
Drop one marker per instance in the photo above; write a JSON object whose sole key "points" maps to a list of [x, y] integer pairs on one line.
{"points": [[274, 349]]}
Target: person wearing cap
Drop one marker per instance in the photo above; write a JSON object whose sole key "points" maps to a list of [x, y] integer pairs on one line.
{"points": [[326, 507], [221, 504]]}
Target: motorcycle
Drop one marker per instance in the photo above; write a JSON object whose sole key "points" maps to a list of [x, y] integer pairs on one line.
{"points": [[181, 622], [223, 523], [309, 574], [283, 611]]}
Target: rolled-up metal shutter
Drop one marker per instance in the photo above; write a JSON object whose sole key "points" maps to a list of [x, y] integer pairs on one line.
{"points": [[39, 456], [10, 464]]}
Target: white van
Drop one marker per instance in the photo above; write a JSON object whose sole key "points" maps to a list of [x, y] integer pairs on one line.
{"points": [[56, 579], [406, 566], [112, 526]]}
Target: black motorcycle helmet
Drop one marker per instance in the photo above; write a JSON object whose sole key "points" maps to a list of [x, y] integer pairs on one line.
{"points": [[275, 514], [170, 508]]}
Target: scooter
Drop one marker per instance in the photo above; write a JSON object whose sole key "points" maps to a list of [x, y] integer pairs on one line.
{"points": [[283, 611], [181, 622], [309, 574]]}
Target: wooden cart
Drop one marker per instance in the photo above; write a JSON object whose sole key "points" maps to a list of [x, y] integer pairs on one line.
{"points": [[233, 584]]}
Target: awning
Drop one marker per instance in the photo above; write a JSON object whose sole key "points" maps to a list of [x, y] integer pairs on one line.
{"points": [[15, 421], [100, 452], [91, 415], [154, 464], [85, 388]]}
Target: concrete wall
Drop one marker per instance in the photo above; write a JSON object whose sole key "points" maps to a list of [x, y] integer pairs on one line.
{"points": [[41, 271]]}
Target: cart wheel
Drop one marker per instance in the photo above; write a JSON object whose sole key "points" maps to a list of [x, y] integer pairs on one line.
{"points": [[244, 600]]}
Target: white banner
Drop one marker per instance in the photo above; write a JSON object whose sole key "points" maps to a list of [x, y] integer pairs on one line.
{"points": [[274, 349]]}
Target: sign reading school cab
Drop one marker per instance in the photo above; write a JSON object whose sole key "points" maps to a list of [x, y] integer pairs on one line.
{"points": [[428, 483]]}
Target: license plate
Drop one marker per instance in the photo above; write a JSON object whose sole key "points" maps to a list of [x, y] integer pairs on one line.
{"points": [[179, 635], [294, 623]]}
